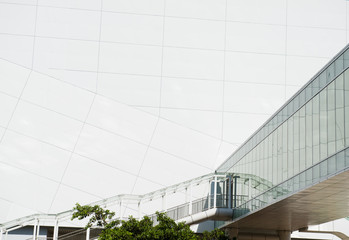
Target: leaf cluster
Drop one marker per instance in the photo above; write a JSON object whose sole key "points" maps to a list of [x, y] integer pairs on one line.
{"points": [[144, 229]]}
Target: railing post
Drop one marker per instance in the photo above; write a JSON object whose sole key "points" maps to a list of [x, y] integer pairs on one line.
{"points": [[215, 193], [209, 195], [88, 234], [190, 199], [235, 189], [139, 210], [120, 210], [164, 205], [229, 191]]}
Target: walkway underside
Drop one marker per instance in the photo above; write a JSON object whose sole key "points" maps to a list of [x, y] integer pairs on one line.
{"points": [[323, 202]]}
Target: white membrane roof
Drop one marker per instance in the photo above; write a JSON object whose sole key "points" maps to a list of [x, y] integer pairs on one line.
{"points": [[107, 97]]}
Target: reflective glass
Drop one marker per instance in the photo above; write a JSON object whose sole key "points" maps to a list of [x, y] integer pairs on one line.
{"points": [[316, 129], [339, 88], [331, 165], [296, 142], [290, 151], [346, 105], [330, 73], [284, 153], [340, 161], [309, 134], [331, 131], [302, 139], [339, 65], [323, 124], [346, 58], [316, 173]]}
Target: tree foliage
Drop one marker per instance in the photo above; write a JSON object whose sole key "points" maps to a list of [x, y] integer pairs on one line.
{"points": [[144, 229]]}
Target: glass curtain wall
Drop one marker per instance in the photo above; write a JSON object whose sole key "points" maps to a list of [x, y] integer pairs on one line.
{"points": [[311, 127]]}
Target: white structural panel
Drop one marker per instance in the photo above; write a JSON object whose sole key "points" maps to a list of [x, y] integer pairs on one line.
{"points": [[107, 97]]}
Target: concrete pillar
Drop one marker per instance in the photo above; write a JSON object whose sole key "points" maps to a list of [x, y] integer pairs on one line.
{"points": [[284, 235], [232, 233]]}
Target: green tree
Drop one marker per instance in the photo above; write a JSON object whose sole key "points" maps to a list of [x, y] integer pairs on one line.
{"points": [[144, 229]]}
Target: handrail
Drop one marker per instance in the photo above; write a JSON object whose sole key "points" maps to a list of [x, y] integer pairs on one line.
{"points": [[109, 201]]}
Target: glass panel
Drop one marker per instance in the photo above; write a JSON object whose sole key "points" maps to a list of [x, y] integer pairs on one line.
{"points": [[271, 167], [316, 86], [296, 183], [309, 134], [290, 146], [296, 142], [302, 98], [284, 153], [302, 139], [347, 157], [339, 65], [346, 58], [275, 160], [340, 161], [331, 165], [309, 176], [330, 73], [296, 102], [316, 129], [290, 108], [331, 131], [308, 92], [339, 86], [316, 173], [279, 153], [323, 169], [302, 180], [346, 106], [323, 124], [322, 79]]}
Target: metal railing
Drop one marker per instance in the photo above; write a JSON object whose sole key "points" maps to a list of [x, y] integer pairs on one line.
{"points": [[201, 205]]}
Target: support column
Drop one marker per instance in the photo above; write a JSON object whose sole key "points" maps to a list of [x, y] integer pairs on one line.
{"points": [[215, 193], [284, 235], [34, 229], [38, 230], [88, 234], [1, 233], [229, 192], [55, 230], [232, 233]]}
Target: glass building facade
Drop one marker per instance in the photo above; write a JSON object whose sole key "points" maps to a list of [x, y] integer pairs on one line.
{"points": [[303, 143]]}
